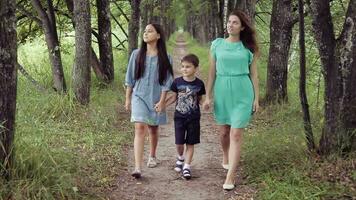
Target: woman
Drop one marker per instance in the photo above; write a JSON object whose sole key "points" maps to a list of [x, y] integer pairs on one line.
{"points": [[233, 74], [148, 79]]}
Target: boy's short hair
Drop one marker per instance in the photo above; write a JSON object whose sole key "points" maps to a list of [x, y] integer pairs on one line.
{"points": [[191, 58]]}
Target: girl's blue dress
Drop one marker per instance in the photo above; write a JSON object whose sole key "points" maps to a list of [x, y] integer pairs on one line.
{"points": [[146, 91]]}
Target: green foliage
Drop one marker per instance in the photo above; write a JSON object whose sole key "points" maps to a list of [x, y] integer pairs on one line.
{"points": [[64, 150]]}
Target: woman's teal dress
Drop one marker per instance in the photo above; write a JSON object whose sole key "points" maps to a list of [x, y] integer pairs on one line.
{"points": [[233, 88]]}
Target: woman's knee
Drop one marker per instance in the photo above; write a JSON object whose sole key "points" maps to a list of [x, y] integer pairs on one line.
{"points": [[224, 131], [236, 134]]}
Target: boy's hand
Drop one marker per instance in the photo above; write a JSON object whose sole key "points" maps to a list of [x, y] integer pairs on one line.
{"points": [[207, 104]]}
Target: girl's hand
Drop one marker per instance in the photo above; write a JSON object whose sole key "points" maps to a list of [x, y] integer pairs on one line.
{"points": [[207, 104], [160, 106], [128, 105], [256, 106]]}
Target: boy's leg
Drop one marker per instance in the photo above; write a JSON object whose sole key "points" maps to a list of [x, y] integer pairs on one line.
{"points": [[187, 174], [180, 150], [179, 130], [189, 154]]}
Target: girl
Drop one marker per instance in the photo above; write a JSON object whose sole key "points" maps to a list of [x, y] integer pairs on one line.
{"points": [[233, 73], [148, 79]]}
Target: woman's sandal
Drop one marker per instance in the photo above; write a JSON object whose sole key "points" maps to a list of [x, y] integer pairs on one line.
{"points": [[229, 187], [187, 173]]}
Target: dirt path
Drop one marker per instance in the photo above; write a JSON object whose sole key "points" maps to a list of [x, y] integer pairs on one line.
{"points": [[163, 182]]}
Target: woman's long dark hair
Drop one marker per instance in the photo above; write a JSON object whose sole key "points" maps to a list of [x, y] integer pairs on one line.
{"points": [[164, 65], [248, 35]]}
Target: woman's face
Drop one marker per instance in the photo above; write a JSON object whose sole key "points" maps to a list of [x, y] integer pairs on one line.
{"points": [[234, 26], [150, 34]]}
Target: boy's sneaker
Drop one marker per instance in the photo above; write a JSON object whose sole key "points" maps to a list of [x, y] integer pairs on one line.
{"points": [[187, 174], [152, 162], [179, 165]]}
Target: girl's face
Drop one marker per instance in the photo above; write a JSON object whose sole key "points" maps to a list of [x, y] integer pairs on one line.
{"points": [[234, 26], [150, 34]]}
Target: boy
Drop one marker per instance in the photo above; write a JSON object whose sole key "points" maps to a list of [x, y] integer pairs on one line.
{"points": [[188, 91]]}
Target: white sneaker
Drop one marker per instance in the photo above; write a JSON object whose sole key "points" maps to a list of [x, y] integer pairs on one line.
{"points": [[152, 162]]}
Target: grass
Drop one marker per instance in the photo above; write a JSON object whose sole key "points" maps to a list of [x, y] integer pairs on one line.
{"points": [[64, 150]]}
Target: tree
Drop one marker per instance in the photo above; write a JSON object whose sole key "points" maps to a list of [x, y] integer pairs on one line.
{"points": [[94, 60], [247, 6], [282, 22], [134, 25], [8, 83], [302, 92], [104, 39], [81, 69], [338, 58], [47, 20]]}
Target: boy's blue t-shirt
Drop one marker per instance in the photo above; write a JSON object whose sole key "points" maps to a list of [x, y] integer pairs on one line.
{"points": [[188, 93]]}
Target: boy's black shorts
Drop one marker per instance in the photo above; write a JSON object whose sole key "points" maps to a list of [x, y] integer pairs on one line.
{"points": [[187, 131]]}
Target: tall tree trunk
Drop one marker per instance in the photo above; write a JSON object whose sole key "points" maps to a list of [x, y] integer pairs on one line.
{"points": [[8, 84], [50, 30], [338, 58], [247, 6], [280, 39], [144, 17], [81, 69], [220, 18], [105, 43], [302, 91], [134, 25], [94, 60]]}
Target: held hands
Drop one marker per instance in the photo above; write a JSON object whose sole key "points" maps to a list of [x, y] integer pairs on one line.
{"points": [[160, 106], [207, 104]]}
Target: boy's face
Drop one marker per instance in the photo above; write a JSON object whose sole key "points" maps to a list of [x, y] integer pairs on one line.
{"points": [[188, 69]]}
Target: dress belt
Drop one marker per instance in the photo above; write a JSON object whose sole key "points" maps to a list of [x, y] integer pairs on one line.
{"points": [[232, 75]]}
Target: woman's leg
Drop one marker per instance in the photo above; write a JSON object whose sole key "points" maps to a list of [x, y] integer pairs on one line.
{"points": [[153, 132], [225, 142], [139, 141], [234, 154]]}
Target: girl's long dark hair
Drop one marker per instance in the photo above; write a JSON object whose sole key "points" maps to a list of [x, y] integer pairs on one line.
{"points": [[164, 65], [248, 35]]}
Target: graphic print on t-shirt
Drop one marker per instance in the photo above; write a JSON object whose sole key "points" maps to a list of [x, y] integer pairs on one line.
{"points": [[187, 99]]}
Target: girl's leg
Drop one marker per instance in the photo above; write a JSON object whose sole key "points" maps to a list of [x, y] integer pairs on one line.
{"points": [[153, 131], [189, 153], [225, 142], [234, 154], [139, 141]]}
